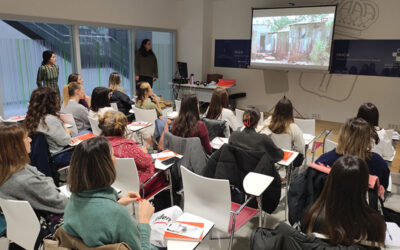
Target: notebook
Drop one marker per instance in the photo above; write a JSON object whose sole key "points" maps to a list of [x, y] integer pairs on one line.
{"points": [[217, 142], [82, 138], [135, 126], [183, 230]]}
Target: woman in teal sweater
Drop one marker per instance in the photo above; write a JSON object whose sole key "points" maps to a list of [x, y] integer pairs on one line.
{"points": [[94, 212]]}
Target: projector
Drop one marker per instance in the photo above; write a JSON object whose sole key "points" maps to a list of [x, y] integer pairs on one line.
{"points": [[354, 16]]}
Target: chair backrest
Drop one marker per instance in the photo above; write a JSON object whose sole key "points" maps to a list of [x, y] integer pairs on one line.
{"points": [[260, 122], [167, 111], [283, 141], [239, 115], [40, 155], [389, 133], [69, 119], [22, 223], [127, 175], [94, 123], [215, 128], [146, 115], [201, 198], [114, 106], [307, 126], [329, 145], [178, 105]]}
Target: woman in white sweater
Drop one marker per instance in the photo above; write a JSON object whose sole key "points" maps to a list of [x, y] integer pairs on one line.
{"points": [[282, 122], [100, 102], [219, 110], [382, 144]]}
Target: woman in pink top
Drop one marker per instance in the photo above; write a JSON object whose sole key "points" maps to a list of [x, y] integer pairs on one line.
{"points": [[113, 124]]}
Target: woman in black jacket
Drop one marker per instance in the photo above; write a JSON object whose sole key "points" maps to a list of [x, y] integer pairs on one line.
{"points": [[249, 139], [118, 94]]}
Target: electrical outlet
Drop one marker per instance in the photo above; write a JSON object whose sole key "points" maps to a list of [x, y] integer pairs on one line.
{"points": [[316, 116]]}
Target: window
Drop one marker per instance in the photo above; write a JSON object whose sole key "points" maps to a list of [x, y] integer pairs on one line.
{"points": [[21, 48], [103, 51], [163, 46]]}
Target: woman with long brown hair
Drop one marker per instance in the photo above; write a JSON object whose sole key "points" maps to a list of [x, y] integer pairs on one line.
{"points": [[118, 94], [355, 138], [341, 213], [219, 109], [43, 116], [282, 122], [188, 123], [20, 181], [382, 143]]}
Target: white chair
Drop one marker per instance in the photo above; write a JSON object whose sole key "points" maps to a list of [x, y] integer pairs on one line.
{"points": [[284, 141], [69, 119], [167, 111], [4, 243], [94, 124], [146, 115], [23, 226], [201, 199], [260, 122], [329, 145], [127, 179], [178, 105], [239, 115], [114, 106], [307, 126]]}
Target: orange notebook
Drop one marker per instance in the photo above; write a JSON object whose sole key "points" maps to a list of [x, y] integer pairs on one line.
{"points": [[184, 230], [286, 155], [85, 136], [165, 158]]}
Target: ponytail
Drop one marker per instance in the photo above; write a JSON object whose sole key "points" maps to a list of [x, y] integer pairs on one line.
{"points": [[69, 91], [251, 117]]}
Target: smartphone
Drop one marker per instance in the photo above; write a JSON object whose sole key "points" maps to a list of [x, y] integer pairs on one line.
{"points": [[170, 160]]}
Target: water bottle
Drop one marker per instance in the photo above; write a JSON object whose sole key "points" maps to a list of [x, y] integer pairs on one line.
{"points": [[191, 79]]}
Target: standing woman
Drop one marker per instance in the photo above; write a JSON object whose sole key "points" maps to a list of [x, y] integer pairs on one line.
{"points": [[48, 72], [146, 69]]}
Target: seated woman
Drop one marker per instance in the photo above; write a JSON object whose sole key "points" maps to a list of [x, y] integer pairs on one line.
{"points": [[146, 99], [94, 212], [113, 124], [118, 94], [188, 123], [20, 181], [383, 144], [219, 110], [72, 93], [355, 138], [341, 212], [249, 139], [86, 100], [43, 116], [100, 102], [282, 122]]}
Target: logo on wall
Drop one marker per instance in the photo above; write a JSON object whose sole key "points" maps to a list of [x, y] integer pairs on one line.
{"points": [[355, 16], [396, 55]]}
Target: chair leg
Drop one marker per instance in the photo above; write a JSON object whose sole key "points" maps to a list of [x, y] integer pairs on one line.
{"points": [[232, 232], [170, 187], [260, 211]]}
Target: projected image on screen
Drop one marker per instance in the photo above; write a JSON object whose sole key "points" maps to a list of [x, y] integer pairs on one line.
{"points": [[300, 41]]}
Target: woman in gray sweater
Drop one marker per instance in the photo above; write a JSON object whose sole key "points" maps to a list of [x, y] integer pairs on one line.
{"points": [[20, 181]]}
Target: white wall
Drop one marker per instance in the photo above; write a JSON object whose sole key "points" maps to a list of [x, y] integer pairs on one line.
{"points": [[231, 20], [147, 13]]}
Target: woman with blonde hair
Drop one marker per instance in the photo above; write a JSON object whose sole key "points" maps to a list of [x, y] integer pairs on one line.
{"points": [[118, 94], [72, 93], [282, 122], [114, 127], [355, 139], [75, 77], [20, 181], [146, 99]]}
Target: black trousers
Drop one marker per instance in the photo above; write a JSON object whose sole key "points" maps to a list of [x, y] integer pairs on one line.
{"points": [[148, 79]]}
